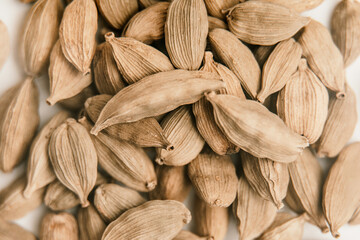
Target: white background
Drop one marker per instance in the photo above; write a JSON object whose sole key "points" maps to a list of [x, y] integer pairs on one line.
{"points": [[13, 12]]}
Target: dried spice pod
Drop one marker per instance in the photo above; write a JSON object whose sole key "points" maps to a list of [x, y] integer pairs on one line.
{"points": [[118, 12], [74, 159], [253, 128], [41, 30], [345, 23], [13, 205], [4, 43], [148, 3], [285, 226], [262, 54], [264, 23], [278, 68], [210, 221], [179, 128], [185, 40], [355, 219], [123, 161], [15, 140], [91, 225], [76, 103], [148, 25], [77, 33], [147, 221], [59, 226], [112, 200], [186, 235], [297, 5], [323, 57], [203, 110], [60, 198], [215, 7], [173, 183], [303, 103], [214, 179], [146, 132], [238, 58], [305, 188], [39, 170], [216, 23], [136, 60], [168, 90], [12, 231], [340, 197], [268, 178], [253, 213]]}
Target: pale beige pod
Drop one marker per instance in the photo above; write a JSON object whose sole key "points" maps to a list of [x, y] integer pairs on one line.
{"points": [[148, 25], [253, 128], [59, 226], [18, 107], [157, 219], [268, 178], [148, 3], [166, 90], [355, 219], [238, 58], [180, 129], [214, 179], [216, 23], [117, 13], [323, 57], [216, 8], [40, 32], [303, 103], [185, 40], [340, 195], [4, 43], [91, 225], [76, 103], [345, 23], [136, 60], [186, 235], [60, 198], [39, 170], [12, 231], [77, 33], [297, 5], [264, 23]]}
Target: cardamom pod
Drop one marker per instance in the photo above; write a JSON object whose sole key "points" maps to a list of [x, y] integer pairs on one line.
{"points": [[264, 23], [112, 200], [253, 128], [186, 235], [76, 103], [297, 5], [91, 225], [118, 12], [262, 54], [15, 140], [148, 25], [147, 221], [4, 43], [303, 103], [340, 197], [345, 23], [278, 68], [60, 198], [215, 7], [179, 128], [216, 23], [148, 3], [170, 90], [39, 170], [238, 58], [323, 57], [59, 226], [185, 40], [214, 179], [12, 231], [355, 219], [41, 31], [77, 33], [268, 178]]}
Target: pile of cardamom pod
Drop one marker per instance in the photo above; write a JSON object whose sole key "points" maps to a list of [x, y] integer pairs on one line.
{"points": [[157, 95]]}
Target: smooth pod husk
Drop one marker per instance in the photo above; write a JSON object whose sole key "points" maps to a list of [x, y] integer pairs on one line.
{"points": [[253, 128], [147, 221], [216, 23], [112, 200], [345, 22], [268, 178], [4, 43], [40, 33], [12, 231], [185, 40], [74, 159], [278, 68], [264, 23], [340, 195], [148, 25], [60, 198], [323, 57], [91, 225], [238, 58], [180, 129], [215, 7], [186, 235], [297, 5], [39, 170], [18, 122], [253, 213], [59, 226], [303, 103], [77, 33], [214, 179], [168, 90]]}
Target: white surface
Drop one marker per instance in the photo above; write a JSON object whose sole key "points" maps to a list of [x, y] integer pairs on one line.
{"points": [[13, 13]]}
